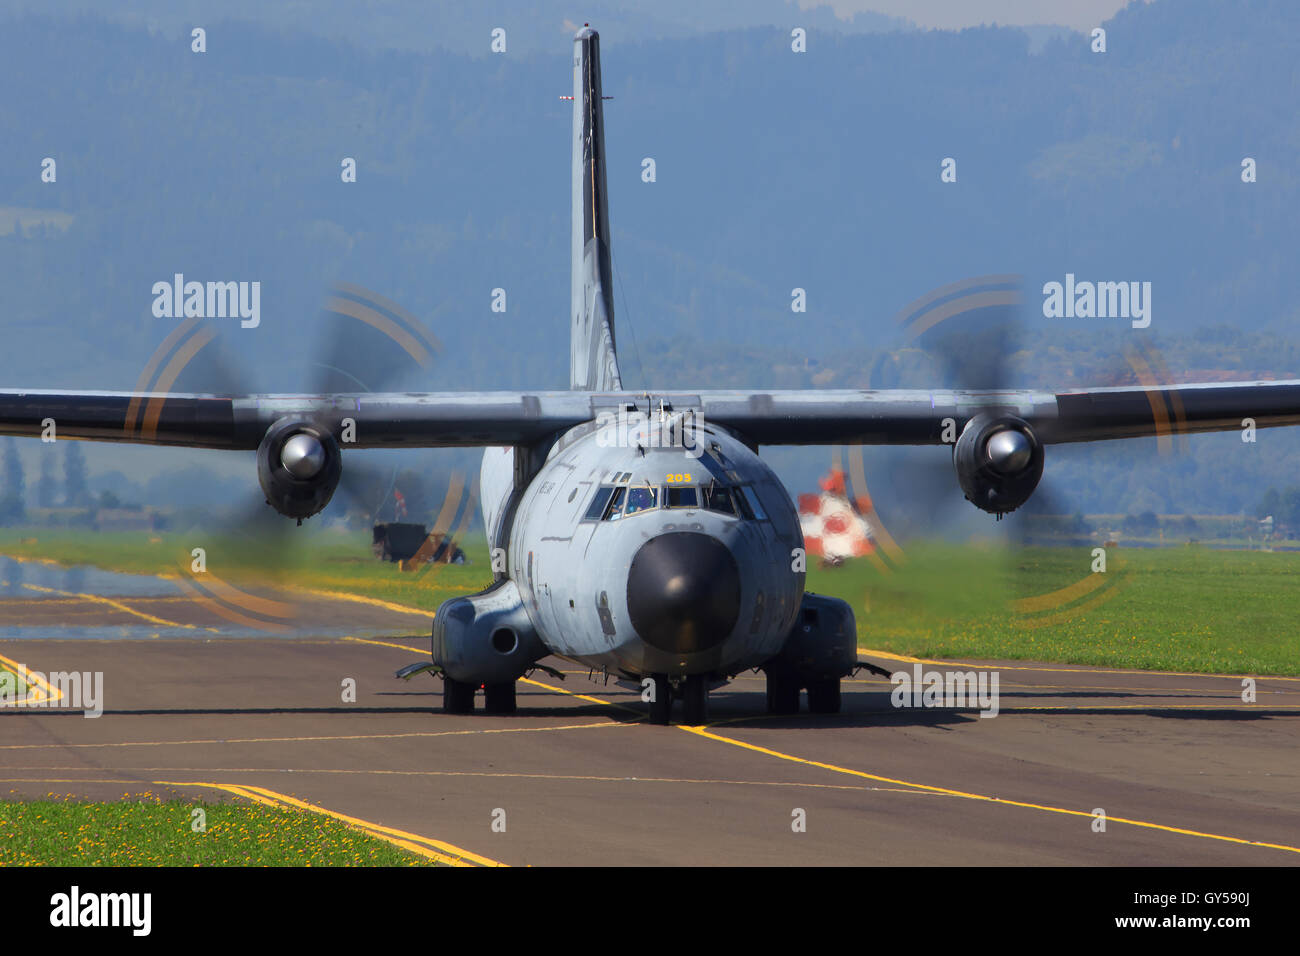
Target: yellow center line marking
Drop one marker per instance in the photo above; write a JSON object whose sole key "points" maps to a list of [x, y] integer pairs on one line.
{"points": [[1026, 708], [522, 680], [58, 602], [363, 599], [704, 732], [401, 647], [869, 652], [570, 693], [118, 605], [472, 773], [425, 846], [319, 592], [285, 740]]}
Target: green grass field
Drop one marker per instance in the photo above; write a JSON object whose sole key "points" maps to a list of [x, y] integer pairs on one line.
{"points": [[1181, 608], [153, 832], [1187, 609]]}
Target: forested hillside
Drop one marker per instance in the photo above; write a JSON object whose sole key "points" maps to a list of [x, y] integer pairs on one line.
{"points": [[774, 170]]}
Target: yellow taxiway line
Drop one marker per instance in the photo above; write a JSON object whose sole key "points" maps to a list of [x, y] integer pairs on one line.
{"points": [[705, 733], [116, 605], [319, 739], [362, 599], [928, 788], [435, 850]]}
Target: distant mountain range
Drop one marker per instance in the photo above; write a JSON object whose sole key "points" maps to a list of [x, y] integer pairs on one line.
{"points": [[774, 171]]}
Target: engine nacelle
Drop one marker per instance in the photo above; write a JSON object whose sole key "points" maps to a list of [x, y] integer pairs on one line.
{"points": [[298, 467], [999, 461]]}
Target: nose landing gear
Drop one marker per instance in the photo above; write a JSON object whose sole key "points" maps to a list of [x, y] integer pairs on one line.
{"points": [[695, 699], [693, 691]]}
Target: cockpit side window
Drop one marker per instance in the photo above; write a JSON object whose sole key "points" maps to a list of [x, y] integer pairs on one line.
{"points": [[641, 498], [597, 509], [631, 500], [615, 510], [679, 497], [742, 506], [748, 494], [718, 498]]}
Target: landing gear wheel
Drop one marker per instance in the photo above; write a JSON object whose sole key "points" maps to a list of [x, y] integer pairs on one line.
{"points": [[695, 700], [457, 696], [499, 698], [661, 699], [782, 694], [824, 696]]}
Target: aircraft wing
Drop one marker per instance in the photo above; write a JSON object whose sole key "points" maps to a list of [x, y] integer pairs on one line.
{"points": [[775, 417], [380, 420], [917, 417]]}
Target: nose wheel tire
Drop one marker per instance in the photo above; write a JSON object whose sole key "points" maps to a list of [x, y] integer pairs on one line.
{"points": [[661, 699], [457, 696], [824, 696], [499, 698], [782, 694], [695, 700]]}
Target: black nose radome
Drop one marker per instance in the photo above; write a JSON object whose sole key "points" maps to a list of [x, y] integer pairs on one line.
{"points": [[683, 592]]}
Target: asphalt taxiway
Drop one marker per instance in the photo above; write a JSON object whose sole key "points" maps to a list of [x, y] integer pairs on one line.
{"points": [[1184, 770]]}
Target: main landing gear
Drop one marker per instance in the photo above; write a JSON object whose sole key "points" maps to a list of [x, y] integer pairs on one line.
{"points": [[458, 697], [783, 694], [694, 694]]}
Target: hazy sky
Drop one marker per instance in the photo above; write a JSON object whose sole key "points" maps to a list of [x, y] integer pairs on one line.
{"points": [[954, 14]]}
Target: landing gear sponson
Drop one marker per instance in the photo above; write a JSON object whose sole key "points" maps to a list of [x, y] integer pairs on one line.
{"points": [[822, 648], [488, 633]]}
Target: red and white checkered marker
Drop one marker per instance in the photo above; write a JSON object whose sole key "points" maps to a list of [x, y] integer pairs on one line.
{"points": [[834, 527]]}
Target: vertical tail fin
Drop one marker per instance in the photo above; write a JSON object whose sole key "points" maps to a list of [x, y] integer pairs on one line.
{"points": [[593, 362]]}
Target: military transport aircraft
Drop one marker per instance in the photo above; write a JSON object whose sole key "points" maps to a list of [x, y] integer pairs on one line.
{"points": [[641, 533]]}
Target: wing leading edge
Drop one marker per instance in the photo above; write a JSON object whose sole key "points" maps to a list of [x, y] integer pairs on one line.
{"points": [[777, 417]]}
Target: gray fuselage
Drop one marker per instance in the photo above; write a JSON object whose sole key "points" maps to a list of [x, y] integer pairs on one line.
{"points": [[638, 555]]}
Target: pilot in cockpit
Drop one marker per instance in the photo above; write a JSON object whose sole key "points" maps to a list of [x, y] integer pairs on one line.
{"points": [[640, 499]]}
